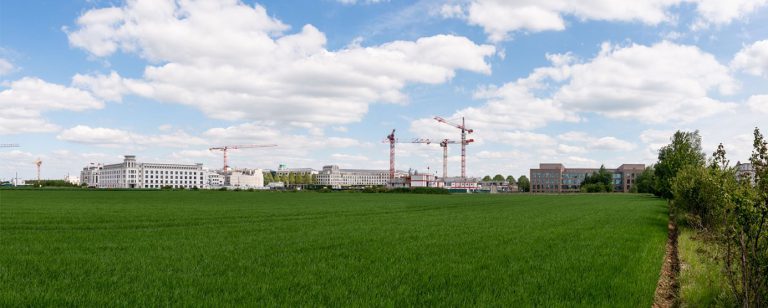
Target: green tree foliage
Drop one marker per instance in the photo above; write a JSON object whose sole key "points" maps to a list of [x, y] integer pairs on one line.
{"points": [[498, 178], [645, 183], [268, 178], [486, 178], [734, 213], [523, 184], [600, 181], [684, 150], [511, 180]]}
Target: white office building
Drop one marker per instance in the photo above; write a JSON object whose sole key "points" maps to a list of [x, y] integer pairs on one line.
{"points": [[132, 174], [246, 178], [89, 176], [337, 178]]}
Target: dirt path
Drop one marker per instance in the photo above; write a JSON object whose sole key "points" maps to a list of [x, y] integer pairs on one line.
{"points": [[667, 288]]}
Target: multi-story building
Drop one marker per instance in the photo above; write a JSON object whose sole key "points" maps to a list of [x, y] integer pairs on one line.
{"points": [[556, 178], [745, 170], [333, 176], [132, 174], [89, 176]]}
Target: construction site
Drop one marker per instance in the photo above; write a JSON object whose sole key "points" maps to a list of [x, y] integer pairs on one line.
{"points": [[133, 174]]}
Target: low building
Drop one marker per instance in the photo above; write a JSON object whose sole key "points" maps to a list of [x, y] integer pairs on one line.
{"points": [[459, 184], [425, 180], [556, 178], [335, 177], [246, 178], [496, 187]]}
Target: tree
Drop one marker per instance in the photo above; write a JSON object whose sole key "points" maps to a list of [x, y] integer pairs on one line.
{"points": [[486, 178], [684, 150], [498, 178], [524, 184], [291, 178], [645, 183], [600, 181], [511, 180], [268, 178]]}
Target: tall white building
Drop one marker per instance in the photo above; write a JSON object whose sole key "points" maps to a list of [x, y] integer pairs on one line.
{"points": [[335, 177], [132, 174], [246, 178], [90, 175]]}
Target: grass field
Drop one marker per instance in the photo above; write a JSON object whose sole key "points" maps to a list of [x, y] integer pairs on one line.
{"points": [[214, 248]]}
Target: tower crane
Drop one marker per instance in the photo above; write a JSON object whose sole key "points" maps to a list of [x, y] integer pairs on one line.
{"points": [[464, 141], [443, 144], [391, 139], [225, 148], [38, 162]]}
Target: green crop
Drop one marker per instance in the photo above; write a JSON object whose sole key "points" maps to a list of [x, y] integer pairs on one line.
{"points": [[212, 248]]}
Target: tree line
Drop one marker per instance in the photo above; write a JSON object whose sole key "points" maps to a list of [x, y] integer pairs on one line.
{"points": [[523, 184], [712, 196], [292, 178]]}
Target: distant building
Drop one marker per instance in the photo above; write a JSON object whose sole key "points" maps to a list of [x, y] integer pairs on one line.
{"points": [[285, 171], [461, 184], [497, 186], [89, 176], [745, 171], [246, 178], [556, 178], [132, 174], [425, 180], [335, 177]]}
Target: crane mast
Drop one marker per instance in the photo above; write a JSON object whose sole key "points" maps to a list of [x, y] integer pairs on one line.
{"points": [[464, 141]]}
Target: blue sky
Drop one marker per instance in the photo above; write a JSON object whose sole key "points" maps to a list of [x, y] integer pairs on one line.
{"points": [[587, 83]]}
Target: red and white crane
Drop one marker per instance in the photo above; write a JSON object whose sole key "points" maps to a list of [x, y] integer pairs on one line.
{"points": [[464, 141], [225, 148], [391, 139]]}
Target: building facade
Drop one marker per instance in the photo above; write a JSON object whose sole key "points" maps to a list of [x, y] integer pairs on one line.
{"points": [[246, 178], [89, 176], [556, 178], [133, 174], [745, 171], [335, 177]]}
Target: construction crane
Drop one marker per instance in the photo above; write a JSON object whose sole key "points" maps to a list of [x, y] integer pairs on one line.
{"points": [[38, 162], [8, 145], [225, 148], [464, 141], [443, 144], [391, 139]]}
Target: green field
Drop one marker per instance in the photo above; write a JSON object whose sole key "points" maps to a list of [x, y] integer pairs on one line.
{"points": [[150, 248]]}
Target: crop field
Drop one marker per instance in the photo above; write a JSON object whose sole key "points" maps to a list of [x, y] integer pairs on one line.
{"points": [[212, 248]]}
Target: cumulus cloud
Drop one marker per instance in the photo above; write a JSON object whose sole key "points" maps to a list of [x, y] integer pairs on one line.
{"points": [[248, 68], [718, 12], [24, 101], [500, 18], [265, 133], [752, 59], [115, 137], [659, 83], [758, 103]]}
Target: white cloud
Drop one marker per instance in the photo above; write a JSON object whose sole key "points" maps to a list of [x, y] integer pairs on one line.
{"points": [[248, 69], [452, 11], [758, 103], [6, 67], [585, 141], [348, 157], [752, 59], [659, 83], [500, 18], [719, 12], [258, 133], [25, 100], [115, 137], [611, 144], [570, 149]]}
